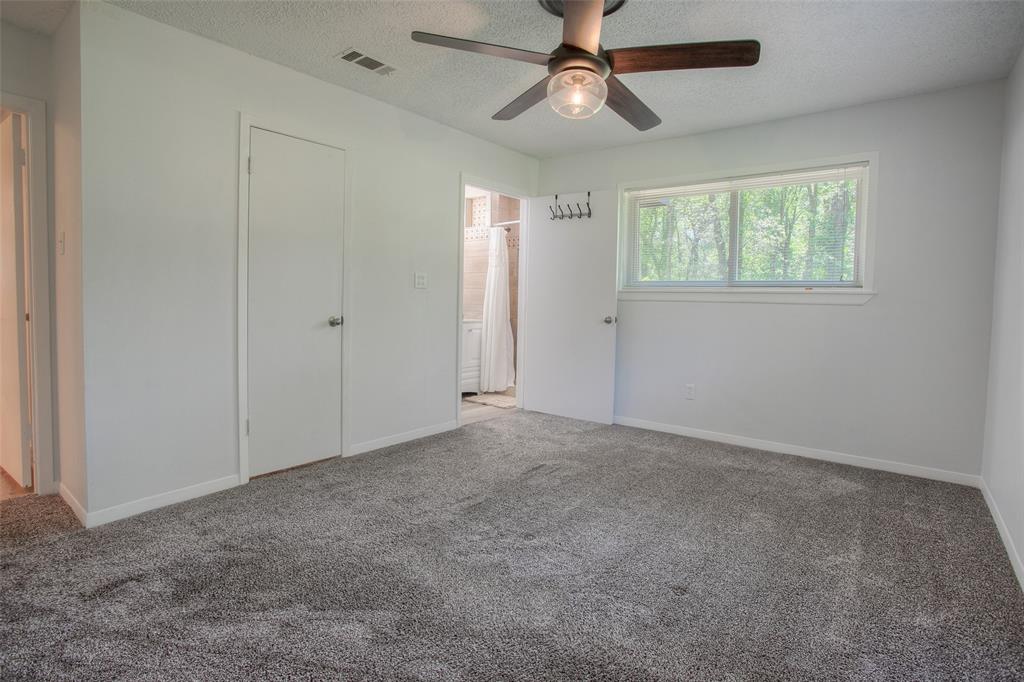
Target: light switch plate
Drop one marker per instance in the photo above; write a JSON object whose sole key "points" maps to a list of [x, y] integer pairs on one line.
{"points": [[419, 280]]}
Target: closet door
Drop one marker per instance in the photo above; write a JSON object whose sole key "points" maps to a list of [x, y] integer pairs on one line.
{"points": [[570, 308], [296, 203]]}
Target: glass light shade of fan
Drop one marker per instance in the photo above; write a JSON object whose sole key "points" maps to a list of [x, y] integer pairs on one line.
{"points": [[577, 93]]}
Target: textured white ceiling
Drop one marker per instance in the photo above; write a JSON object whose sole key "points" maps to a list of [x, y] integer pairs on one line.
{"points": [[815, 56], [38, 16]]}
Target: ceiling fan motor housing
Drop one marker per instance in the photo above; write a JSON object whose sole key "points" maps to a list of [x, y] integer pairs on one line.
{"points": [[570, 57], [557, 7]]}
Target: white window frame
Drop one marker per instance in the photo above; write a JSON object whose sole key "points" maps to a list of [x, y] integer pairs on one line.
{"points": [[757, 293]]}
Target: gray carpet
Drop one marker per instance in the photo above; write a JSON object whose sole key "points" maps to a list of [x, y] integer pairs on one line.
{"points": [[526, 547]]}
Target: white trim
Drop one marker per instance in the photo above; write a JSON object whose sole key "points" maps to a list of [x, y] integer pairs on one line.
{"points": [[39, 294], [524, 231], [347, 303], [461, 265], [803, 451], [1004, 533], [73, 502], [796, 296], [522, 295], [868, 201], [299, 130], [242, 303], [122, 511], [377, 443]]}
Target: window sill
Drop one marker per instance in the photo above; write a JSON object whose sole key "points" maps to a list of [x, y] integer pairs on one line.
{"points": [[749, 295]]}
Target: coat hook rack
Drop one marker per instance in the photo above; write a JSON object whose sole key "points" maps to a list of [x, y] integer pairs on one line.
{"points": [[573, 213]]}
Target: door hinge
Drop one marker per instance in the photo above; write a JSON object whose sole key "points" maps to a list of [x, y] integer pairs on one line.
{"points": [[250, 165], [27, 318], [21, 157], [247, 427]]}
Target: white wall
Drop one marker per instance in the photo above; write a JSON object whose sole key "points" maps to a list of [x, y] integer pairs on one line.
{"points": [[901, 378], [160, 114], [66, 140], [1004, 428], [25, 62]]}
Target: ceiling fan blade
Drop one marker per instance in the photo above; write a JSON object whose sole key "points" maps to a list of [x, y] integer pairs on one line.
{"points": [[539, 58], [623, 102], [582, 24], [534, 95], [685, 56]]}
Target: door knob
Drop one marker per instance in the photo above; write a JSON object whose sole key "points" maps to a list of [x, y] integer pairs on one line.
{"points": [[335, 320], [609, 319]]}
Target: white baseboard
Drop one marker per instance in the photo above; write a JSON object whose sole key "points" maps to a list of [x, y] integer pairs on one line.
{"points": [[367, 446], [73, 502], [121, 511], [812, 453], [1004, 533]]}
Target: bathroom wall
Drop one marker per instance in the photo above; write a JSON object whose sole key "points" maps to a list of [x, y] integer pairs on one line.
{"points": [[505, 209], [474, 257], [481, 212]]}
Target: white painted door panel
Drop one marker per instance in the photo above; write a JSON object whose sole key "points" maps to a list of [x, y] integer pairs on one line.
{"points": [[296, 204], [571, 290]]}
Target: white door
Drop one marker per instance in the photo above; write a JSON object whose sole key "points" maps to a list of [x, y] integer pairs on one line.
{"points": [[571, 308], [296, 204], [16, 428]]}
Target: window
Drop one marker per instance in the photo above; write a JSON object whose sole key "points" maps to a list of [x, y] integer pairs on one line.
{"points": [[802, 229]]}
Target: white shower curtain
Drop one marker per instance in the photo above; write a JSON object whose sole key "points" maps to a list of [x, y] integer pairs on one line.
{"points": [[497, 368]]}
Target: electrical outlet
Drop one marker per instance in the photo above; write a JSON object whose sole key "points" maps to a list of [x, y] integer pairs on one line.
{"points": [[419, 280], [691, 392]]}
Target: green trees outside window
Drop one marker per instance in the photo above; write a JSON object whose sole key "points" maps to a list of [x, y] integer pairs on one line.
{"points": [[791, 230]]}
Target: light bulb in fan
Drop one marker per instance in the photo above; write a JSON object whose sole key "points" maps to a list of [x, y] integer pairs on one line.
{"points": [[577, 93]]}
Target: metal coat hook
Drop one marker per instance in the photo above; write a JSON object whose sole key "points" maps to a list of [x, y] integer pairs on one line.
{"points": [[577, 213]]}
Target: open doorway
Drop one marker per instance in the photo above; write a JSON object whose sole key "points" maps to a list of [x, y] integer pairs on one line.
{"points": [[490, 304], [16, 465], [26, 409]]}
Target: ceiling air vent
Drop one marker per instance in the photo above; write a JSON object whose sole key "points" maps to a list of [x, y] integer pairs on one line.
{"points": [[368, 63]]}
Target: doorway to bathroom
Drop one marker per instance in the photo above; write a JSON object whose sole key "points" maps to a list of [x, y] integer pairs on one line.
{"points": [[490, 321], [26, 427]]}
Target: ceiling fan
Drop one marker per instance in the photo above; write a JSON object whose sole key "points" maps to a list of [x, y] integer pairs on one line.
{"points": [[582, 75]]}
